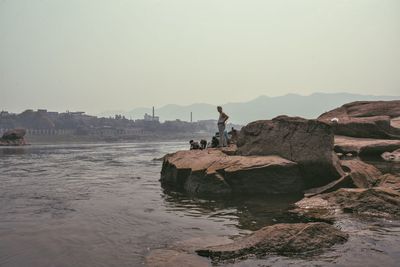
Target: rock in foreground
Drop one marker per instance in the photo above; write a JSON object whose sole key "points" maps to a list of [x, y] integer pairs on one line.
{"points": [[212, 172], [283, 239], [307, 142]]}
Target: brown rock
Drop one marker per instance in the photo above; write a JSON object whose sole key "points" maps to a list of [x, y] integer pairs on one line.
{"points": [[366, 119], [307, 142], [364, 146], [283, 239], [376, 202], [359, 175], [362, 174], [390, 181], [212, 172]]}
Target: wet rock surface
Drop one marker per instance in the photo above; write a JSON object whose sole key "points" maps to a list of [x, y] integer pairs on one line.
{"points": [[365, 119], [282, 239], [307, 142]]}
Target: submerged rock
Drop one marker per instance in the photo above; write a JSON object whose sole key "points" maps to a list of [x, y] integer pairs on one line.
{"points": [[174, 258], [375, 202], [365, 119], [364, 146], [307, 142], [212, 172], [283, 239]]}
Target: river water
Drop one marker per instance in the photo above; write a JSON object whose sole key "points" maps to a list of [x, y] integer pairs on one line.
{"points": [[102, 205]]}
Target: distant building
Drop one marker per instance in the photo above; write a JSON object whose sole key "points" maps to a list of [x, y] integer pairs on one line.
{"points": [[148, 117]]}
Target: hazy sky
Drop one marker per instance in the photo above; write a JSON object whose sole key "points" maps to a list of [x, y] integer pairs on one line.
{"points": [[98, 55]]}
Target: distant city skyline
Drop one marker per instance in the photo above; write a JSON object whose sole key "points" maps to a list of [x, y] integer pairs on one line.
{"points": [[99, 55]]}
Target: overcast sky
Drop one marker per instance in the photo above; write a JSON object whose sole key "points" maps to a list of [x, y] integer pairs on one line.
{"points": [[113, 54]]}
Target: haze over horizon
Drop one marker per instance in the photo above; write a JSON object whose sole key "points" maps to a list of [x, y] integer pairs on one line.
{"points": [[117, 55]]}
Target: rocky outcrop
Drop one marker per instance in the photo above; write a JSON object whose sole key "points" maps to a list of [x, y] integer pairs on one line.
{"points": [[375, 202], [13, 138], [365, 119], [307, 142], [364, 146], [282, 239], [212, 172]]}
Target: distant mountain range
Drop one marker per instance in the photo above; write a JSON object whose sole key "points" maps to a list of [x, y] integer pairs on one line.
{"points": [[263, 107]]}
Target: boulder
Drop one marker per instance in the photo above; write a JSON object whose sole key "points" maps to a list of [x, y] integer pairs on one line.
{"points": [[365, 119], [375, 202], [212, 172], [13, 138], [364, 146], [282, 239], [307, 142]]}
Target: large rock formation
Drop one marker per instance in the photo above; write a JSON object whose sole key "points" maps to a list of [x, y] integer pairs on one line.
{"points": [[282, 239], [211, 172], [376, 202], [364, 146], [365, 119], [307, 142], [13, 138]]}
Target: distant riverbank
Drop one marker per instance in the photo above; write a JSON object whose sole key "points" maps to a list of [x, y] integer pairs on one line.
{"points": [[54, 139]]}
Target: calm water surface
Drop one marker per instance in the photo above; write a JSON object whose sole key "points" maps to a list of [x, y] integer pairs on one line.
{"points": [[102, 205]]}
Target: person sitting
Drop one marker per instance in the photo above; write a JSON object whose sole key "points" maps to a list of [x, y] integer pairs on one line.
{"points": [[203, 144], [214, 142], [194, 145]]}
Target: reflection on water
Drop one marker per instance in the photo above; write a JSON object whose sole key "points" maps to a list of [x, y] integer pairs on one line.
{"points": [[245, 212], [102, 205]]}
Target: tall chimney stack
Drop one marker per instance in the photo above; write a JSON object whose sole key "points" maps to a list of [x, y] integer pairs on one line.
{"points": [[191, 116], [153, 112]]}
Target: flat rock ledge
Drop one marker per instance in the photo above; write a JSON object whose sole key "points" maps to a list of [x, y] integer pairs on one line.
{"points": [[379, 202], [212, 172], [364, 146], [281, 239]]}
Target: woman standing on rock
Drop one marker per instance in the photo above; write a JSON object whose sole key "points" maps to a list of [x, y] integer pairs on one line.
{"points": [[221, 127]]}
